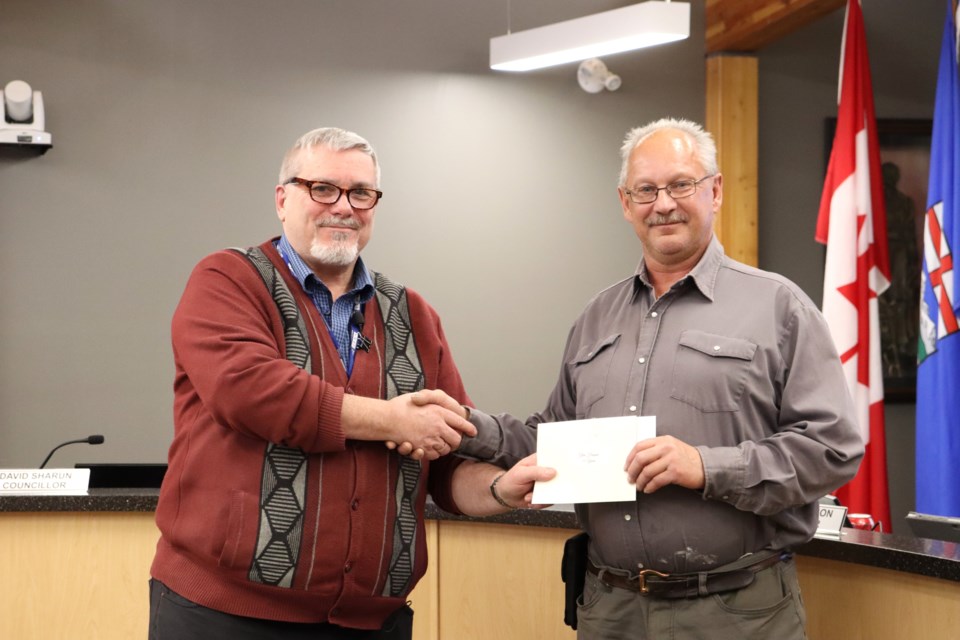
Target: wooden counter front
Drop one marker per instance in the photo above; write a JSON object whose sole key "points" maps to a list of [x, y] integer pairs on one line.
{"points": [[501, 581], [856, 602], [75, 575], [84, 576], [74, 569]]}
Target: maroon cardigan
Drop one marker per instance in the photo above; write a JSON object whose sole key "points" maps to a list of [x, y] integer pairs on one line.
{"points": [[234, 393]]}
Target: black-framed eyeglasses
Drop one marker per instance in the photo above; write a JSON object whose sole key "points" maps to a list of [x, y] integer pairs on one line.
{"points": [[645, 194], [326, 193]]}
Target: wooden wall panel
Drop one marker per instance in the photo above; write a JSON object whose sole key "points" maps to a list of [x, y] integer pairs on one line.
{"points": [[732, 112]]}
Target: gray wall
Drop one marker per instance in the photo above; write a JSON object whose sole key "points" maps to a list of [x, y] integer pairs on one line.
{"points": [[169, 120]]}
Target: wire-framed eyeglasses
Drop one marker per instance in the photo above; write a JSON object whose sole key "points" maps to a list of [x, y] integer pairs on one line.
{"points": [[647, 193]]}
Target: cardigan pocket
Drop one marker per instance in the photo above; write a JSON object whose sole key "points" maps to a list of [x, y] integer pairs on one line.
{"points": [[240, 534]]}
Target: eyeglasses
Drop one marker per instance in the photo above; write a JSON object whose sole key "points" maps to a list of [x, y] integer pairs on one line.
{"points": [[648, 193], [324, 193]]}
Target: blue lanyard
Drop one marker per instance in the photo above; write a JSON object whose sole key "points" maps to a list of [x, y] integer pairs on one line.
{"points": [[355, 323]]}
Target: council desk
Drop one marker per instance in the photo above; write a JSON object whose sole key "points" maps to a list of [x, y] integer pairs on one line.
{"points": [[77, 567]]}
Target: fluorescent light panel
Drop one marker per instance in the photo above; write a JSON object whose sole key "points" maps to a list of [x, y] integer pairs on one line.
{"points": [[601, 34]]}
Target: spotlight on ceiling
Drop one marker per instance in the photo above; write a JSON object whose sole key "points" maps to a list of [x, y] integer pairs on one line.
{"points": [[594, 76]]}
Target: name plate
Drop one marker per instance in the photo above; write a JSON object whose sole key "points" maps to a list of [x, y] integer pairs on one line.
{"points": [[831, 520], [56, 482]]}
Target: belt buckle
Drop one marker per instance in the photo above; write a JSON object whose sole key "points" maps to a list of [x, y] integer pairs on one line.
{"points": [[642, 578]]}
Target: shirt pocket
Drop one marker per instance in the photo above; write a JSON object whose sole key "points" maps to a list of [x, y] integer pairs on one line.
{"points": [[710, 371], [590, 368]]}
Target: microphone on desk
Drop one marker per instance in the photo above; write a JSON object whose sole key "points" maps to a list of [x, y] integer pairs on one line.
{"points": [[96, 439]]}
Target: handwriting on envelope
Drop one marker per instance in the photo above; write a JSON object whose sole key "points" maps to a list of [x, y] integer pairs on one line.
{"points": [[589, 456]]}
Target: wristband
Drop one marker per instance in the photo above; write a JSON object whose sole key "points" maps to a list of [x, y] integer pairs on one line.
{"points": [[496, 496]]}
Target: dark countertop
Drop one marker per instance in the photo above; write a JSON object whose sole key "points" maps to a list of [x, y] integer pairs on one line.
{"points": [[932, 558], [96, 500]]}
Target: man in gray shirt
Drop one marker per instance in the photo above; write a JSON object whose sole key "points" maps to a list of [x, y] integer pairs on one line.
{"points": [[754, 419]]}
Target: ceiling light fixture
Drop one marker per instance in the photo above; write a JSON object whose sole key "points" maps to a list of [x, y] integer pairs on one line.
{"points": [[625, 29]]}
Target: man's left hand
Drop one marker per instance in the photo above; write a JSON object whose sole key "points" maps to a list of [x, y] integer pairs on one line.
{"points": [[515, 487], [657, 462]]}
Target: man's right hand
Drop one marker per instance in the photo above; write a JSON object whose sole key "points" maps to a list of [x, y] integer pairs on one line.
{"points": [[426, 398], [429, 424], [423, 421]]}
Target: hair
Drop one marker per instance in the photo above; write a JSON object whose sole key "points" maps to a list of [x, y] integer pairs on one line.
{"points": [[706, 148], [331, 138]]}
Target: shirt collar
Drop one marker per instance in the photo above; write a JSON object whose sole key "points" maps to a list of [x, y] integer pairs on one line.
{"points": [[703, 275], [362, 286]]}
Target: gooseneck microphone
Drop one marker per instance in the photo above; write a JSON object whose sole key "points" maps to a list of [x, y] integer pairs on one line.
{"points": [[361, 342], [97, 439]]}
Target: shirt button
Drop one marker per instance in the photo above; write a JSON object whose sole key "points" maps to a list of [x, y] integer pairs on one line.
{"points": [[726, 497], [653, 314], [633, 407], [355, 505], [642, 360], [347, 568], [335, 611], [626, 517], [716, 347]]}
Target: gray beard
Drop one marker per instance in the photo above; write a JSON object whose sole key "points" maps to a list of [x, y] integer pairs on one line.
{"points": [[341, 253]]}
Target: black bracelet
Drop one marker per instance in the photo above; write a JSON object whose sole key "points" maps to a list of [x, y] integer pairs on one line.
{"points": [[496, 496]]}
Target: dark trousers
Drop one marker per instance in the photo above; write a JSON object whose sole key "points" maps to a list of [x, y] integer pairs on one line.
{"points": [[173, 617]]}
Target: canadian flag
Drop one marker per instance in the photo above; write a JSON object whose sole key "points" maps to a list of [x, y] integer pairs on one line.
{"points": [[853, 225]]}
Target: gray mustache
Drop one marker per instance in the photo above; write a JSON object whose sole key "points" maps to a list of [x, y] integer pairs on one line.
{"points": [[657, 220], [349, 223]]}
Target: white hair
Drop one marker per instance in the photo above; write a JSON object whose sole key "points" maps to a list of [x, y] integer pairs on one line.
{"points": [[706, 148], [331, 138]]}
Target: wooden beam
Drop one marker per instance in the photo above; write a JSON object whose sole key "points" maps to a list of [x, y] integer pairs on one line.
{"points": [[748, 25], [732, 106], [735, 29]]}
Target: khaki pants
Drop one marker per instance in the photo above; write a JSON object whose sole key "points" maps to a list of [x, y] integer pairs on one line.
{"points": [[769, 609]]}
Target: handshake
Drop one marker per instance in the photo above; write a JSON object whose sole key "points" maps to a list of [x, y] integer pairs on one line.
{"points": [[425, 424], [428, 424]]}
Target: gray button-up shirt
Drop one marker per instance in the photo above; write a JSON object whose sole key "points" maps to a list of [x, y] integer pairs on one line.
{"points": [[735, 361]]}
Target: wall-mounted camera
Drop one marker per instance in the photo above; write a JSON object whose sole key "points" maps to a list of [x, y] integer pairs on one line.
{"points": [[22, 118]]}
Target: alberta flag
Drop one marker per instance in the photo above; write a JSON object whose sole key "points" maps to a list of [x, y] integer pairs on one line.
{"points": [[938, 371], [853, 225]]}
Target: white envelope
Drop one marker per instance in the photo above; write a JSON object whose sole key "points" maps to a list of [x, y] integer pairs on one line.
{"points": [[589, 457]]}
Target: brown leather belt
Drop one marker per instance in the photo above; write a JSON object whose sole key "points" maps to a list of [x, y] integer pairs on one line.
{"points": [[656, 584]]}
